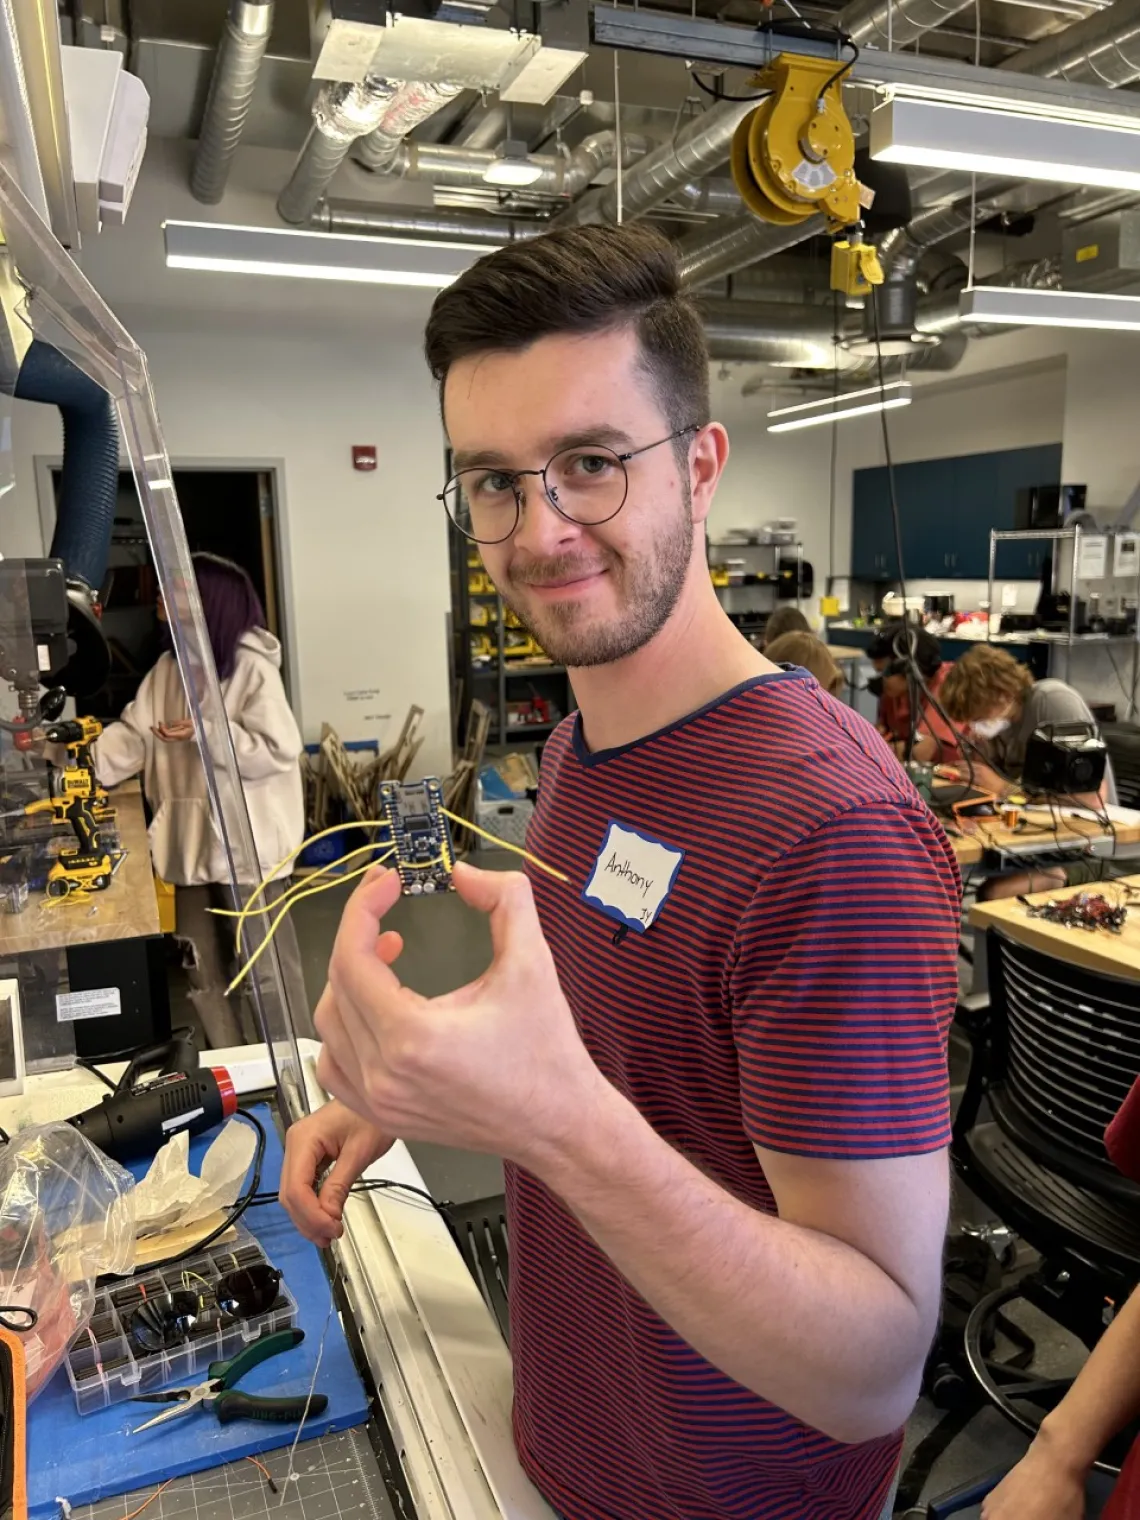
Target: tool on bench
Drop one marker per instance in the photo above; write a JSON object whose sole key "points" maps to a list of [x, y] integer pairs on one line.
{"points": [[218, 1394], [139, 1117]]}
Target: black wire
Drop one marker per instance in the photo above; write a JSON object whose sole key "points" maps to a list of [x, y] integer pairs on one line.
{"points": [[720, 95], [95, 1072], [23, 1311], [236, 1211], [373, 1185], [847, 42]]}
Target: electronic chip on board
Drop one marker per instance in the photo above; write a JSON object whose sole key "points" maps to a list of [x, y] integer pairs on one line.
{"points": [[420, 833]]}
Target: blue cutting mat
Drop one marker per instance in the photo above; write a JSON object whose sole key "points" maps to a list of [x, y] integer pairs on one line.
{"points": [[92, 1457]]}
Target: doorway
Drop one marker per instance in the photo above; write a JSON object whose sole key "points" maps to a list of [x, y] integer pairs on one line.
{"points": [[226, 510]]}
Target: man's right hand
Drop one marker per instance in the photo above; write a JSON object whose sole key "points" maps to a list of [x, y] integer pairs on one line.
{"points": [[334, 1133]]}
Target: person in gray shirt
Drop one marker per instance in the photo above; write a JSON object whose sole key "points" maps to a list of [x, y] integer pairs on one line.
{"points": [[997, 700]]}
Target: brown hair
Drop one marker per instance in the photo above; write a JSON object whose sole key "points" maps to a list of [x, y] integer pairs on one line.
{"points": [[805, 649], [784, 620], [580, 280], [983, 679]]}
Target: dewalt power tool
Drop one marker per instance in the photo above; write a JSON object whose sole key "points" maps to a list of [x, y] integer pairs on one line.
{"points": [[76, 798]]}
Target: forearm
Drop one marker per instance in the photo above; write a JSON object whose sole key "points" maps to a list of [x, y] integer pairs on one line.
{"points": [[794, 1315], [1104, 1399]]}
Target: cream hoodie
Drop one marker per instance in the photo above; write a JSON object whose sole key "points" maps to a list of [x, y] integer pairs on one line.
{"points": [[184, 843]]}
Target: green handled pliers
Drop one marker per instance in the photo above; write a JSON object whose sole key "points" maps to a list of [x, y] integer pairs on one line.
{"points": [[217, 1392]]}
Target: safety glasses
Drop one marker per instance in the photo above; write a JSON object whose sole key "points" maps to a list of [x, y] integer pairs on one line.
{"points": [[167, 1319]]}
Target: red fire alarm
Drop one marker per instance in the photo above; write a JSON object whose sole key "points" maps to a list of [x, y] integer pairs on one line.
{"points": [[363, 456]]}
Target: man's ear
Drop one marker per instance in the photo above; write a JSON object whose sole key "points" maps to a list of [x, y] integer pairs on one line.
{"points": [[708, 455]]}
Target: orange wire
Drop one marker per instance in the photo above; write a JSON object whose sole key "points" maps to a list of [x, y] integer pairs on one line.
{"points": [[149, 1502], [265, 1471]]}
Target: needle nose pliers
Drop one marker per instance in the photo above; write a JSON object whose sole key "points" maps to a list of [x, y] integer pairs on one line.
{"points": [[218, 1394]]}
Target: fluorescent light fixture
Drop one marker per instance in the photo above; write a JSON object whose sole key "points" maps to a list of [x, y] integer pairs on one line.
{"points": [[512, 165], [838, 408], [316, 255], [1049, 308], [939, 135]]}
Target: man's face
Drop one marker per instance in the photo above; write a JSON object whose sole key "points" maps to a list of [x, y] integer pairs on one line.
{"points": [[589, 594]]}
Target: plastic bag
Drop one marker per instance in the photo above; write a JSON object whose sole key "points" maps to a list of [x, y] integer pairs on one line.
{"points": [[67, 1215]]}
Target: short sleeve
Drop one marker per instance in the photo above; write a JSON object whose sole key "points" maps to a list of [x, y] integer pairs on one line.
{"points": [[844, 987], [1054, 702]]}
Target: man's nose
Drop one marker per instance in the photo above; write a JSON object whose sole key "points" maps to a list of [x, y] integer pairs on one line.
{"points": [[542, 530]]}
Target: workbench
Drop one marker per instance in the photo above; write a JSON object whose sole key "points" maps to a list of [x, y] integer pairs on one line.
{"points": [[1097, 950], [1038, 836]]}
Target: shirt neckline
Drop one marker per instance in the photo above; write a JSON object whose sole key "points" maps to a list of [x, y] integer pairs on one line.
{"points": [[590, 758]]}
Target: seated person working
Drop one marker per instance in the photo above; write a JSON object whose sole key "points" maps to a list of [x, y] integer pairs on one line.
{"points": [[935, 740], [999, 703], [811, 654]]}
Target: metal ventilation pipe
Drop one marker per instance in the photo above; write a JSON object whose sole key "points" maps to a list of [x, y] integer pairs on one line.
{"points": [[341, 113], [569, 177], [711, 197], [412, 103], [401, 221], [894, 23], [244, 39], [772, 333], [487, 129], [1102, 49], [701, 146], [709, 255]]}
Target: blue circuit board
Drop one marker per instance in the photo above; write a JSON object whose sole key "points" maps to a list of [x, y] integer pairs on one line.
{"points": [[420, 833]]}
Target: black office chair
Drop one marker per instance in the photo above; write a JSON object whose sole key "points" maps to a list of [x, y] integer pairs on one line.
{"points": [[1053, 1058], [1123, 743]]}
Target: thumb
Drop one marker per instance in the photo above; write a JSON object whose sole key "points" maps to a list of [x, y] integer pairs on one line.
{"points": [[356, 1154], [507, 897]]}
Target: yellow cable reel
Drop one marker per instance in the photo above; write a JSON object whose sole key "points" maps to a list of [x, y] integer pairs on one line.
{"points": [[794, 155]]}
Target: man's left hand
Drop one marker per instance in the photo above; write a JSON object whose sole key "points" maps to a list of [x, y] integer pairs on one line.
{"points": [[496, 1066]]}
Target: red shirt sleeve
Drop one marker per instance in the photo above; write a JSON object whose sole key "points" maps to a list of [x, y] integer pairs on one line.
{"points": [[1122, 1137], [844, 987]]}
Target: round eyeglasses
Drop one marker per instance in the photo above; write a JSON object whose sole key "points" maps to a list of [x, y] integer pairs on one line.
{"points": [[586, 484]]}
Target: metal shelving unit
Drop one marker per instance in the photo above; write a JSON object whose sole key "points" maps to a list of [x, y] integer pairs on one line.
{"points": [[1071, 639], [759, 594]]}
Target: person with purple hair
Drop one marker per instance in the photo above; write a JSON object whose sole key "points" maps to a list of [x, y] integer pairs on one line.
{"points": [[154, 738]]}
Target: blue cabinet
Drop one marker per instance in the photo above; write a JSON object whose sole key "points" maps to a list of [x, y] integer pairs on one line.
{"points": [[946, 510]]}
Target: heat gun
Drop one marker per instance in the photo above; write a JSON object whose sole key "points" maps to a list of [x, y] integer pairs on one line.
{"points": [[141, 1115]]}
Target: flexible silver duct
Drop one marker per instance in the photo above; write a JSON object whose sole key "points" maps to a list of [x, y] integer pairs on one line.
{"points": [[901, 249], [341, 113], [244, 39], [701, 146], [465, 167], [404, 221], [709, 255], [412, 103], [895, 23], [708, 197]]}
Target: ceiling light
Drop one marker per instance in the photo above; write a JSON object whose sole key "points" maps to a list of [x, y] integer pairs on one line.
{"points": [[512, 165], [838, 408], [941, 135], [316, 255], [1049, 308]]}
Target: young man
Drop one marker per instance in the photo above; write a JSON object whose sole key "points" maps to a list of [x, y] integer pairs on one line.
{"points": [[713, 1057], [997, 699]]}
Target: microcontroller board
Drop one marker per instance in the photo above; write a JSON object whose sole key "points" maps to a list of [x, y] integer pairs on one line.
{"points": [[420, 834]]}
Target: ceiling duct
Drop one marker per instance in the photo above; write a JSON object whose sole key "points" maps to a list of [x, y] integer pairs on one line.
{"points": [[719, 251], [708, 197], [895, 23], [341, 113], [244, 39], [487, 130], [412, 103], [565, 176], [701, 146], [1102, 49], [416, 222]]}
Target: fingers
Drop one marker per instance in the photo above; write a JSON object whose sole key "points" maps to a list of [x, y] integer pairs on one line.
{"points": [[305, 1152], [390, 946], [507, 897], [358, 1154], [359, 923]]}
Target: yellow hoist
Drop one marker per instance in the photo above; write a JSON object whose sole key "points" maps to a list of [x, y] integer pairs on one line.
{"points": [[793, 157]]}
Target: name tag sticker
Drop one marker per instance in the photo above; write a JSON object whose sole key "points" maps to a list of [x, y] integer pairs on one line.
{"points": [[633, 875]]}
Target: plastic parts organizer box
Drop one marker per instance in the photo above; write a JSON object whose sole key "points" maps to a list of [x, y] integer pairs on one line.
{"points": [[105, 1367]]}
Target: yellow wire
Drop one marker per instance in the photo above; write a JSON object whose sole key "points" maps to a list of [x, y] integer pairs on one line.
{"points": [[269, 907], [336, 828], [279, 919], [465, 823]]}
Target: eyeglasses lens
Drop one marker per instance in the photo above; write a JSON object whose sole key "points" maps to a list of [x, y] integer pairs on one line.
{"points": [[251, 1291]]}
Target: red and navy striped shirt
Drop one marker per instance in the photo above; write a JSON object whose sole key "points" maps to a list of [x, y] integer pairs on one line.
{"points": [[794, 991]]}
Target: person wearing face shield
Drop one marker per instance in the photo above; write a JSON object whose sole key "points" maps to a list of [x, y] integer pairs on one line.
{"points": [[1001, 706]]}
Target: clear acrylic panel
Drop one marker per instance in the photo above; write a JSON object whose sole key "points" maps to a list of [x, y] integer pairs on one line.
{"points": [[61, 307]]}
